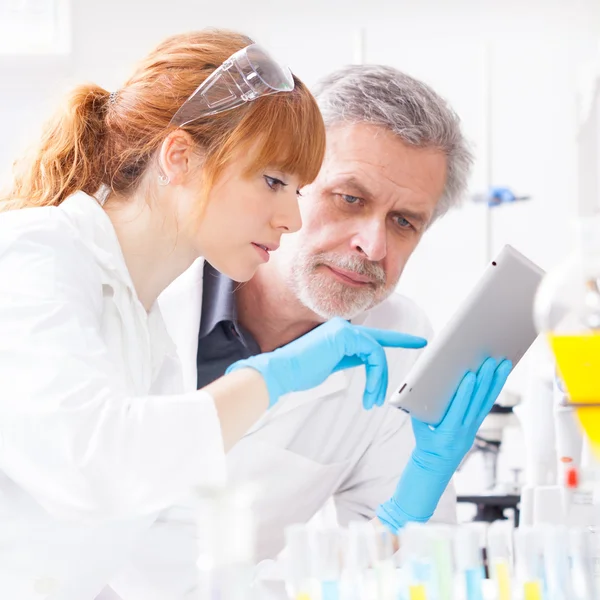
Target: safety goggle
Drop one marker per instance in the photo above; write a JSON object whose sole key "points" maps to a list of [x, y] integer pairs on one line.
{"points": [[246, 75]]}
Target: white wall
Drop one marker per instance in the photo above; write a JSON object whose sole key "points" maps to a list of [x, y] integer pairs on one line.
{"points": [[527, 54]]}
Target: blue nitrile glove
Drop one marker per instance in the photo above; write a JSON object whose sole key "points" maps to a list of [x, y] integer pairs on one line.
{"points": [[440, 450], [336, 345]]}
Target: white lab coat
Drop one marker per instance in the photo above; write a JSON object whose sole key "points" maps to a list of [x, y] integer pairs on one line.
{"points": [[309, 447], [93, 441]]}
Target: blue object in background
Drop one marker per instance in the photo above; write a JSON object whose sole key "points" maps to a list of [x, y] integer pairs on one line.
{"points": [[497, 195]]}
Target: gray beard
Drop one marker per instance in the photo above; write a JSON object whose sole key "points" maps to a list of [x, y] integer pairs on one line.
{"points": [[329, 298]]}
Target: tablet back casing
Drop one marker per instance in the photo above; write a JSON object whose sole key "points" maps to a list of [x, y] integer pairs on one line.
{"points": [[495, 320]]}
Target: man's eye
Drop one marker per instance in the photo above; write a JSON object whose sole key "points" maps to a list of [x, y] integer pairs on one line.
{"points": [[402, 222], [274, 183], [350, 199]]}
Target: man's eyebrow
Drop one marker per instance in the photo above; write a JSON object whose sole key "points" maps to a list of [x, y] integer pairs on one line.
{"points": [[353, 186]]}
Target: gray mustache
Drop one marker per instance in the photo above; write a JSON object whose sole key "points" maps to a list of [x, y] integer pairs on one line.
{"points": [[359, 266]]}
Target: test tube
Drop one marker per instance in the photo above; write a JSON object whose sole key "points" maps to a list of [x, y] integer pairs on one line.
{"points": [[556, 562], [469, 564], [529, 566], [328, 561], [583, 552], [441, 540], [594, 553], [358, 580], [500, 557], [416, 561], [300, 582], [381, 555]]}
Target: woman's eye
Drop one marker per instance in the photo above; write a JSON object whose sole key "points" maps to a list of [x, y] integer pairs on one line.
{"points": [[350, 199], [274, 183]]}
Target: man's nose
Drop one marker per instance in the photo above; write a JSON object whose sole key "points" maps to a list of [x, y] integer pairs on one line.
{"points": [[370, 240]]}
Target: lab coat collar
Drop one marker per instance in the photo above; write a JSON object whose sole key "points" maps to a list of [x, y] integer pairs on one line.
{"points": [[98, 234], [181, 304]]}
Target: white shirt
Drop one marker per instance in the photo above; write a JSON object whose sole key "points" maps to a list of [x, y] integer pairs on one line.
{"points": [[95, 435], [309, 447]]}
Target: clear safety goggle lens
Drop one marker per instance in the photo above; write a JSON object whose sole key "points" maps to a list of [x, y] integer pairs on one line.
{"points": [[245, 76]]}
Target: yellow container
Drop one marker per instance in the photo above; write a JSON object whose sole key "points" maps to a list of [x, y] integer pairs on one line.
{"points": [[578, 360], [502, 576], [417, 592], [532, 591]]}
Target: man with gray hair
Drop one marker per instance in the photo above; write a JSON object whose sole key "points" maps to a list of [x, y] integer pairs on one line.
{"points": [[396, 160]]}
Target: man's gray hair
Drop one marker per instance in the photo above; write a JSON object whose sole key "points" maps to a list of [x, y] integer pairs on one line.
{"points": [[384, 96]]}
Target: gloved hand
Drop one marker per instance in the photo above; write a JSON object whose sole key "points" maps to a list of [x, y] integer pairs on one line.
{"points": [[333, 346], [440, 450]]}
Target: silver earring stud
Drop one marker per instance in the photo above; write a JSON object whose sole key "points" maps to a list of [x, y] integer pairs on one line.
{"points": [[163, 180]]}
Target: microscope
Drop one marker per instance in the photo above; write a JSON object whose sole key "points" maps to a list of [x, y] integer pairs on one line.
{"points": [[497, 496]]}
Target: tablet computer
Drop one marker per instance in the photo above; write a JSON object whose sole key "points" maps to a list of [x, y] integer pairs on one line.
{"points": [[496, 319]]}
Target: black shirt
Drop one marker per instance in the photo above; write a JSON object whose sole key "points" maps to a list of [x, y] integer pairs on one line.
{"points": [[221, 339]]}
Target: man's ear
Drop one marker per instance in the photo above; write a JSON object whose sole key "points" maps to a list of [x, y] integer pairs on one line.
{"points": [[179, 156]]}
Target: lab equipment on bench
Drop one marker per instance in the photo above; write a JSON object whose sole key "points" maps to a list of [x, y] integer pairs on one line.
{"points": [[567, 312], [469, 566], [500, 554], [417, 562], [499, 499], [529, 564], [441, 562], [495, 320], [356, 563], [553, 562], [567, 308]]}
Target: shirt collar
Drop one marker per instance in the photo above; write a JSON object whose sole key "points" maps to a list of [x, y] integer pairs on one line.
{"points": [[218, 300]]}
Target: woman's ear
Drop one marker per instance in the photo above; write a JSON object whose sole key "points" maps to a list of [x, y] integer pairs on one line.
{"points": [[178, 157]]}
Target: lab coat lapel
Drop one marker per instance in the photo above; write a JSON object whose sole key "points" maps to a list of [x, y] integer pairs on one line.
{"points": [[181, 307]]}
